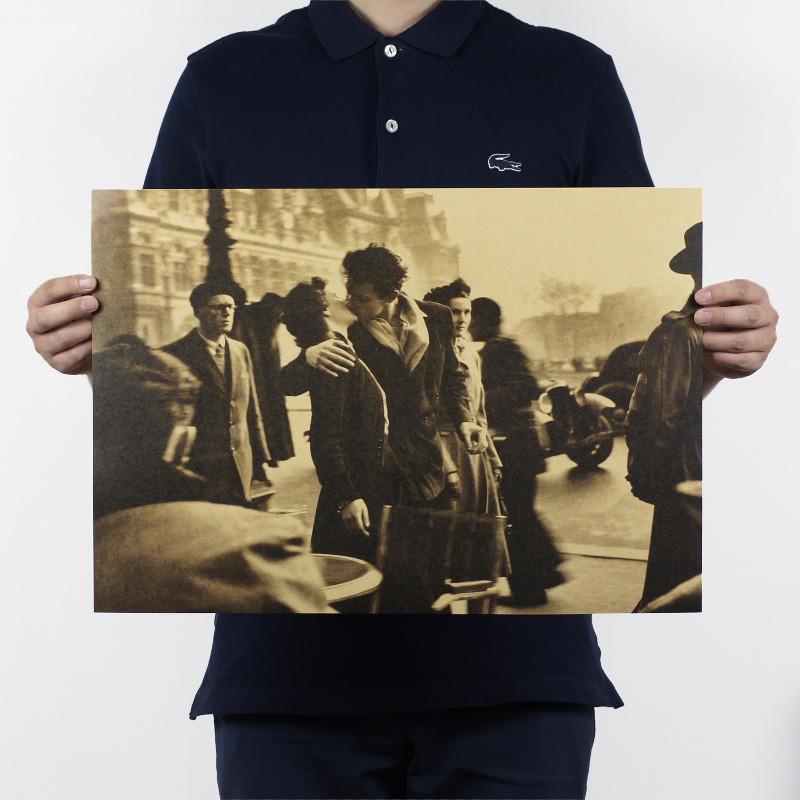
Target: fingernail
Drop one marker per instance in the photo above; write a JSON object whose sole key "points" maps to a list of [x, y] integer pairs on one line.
{"points": [[702, 317], [86, 283], [88, 303], [703, 296]]}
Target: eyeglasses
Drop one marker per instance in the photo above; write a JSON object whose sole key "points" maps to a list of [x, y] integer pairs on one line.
{"points": [[222, 307]]}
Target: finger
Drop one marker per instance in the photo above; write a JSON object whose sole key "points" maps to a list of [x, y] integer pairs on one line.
{"points": [[57, 289], [74, 361], [341, 357], [747, 316], [736, 292], [345, 348], [327, 370], [365, 519], [42, 319], [734, 365], [336, 357], [333, 367], [63, 339], [740, 341]]}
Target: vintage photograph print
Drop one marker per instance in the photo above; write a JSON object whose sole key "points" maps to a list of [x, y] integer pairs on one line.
{"points": [[440, 401]]}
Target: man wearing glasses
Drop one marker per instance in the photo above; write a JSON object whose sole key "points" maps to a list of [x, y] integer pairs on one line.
{"points": [[230, 435]]}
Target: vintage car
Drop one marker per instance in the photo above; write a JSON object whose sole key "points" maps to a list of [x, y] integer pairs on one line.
{"points": [[617, 379]]}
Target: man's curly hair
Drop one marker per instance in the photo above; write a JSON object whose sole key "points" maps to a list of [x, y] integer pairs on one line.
{"points": [[375, 265]]}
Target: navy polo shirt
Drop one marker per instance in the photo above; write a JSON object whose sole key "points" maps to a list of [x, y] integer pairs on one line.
{"points": [[469, 96]]}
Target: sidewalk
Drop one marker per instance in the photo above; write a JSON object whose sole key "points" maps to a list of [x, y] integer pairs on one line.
{"points": [[593, 586]]}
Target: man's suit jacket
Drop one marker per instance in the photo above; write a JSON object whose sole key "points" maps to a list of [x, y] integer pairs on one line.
{"points": [[228, 420]]}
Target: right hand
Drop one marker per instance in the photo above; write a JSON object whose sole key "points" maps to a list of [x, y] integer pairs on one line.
{"points": [[333, 356], [60, 322], [356, 516], [474, 437]]}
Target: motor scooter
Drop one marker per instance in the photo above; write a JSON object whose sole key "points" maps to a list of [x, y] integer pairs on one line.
{"points": [[574, 422]]}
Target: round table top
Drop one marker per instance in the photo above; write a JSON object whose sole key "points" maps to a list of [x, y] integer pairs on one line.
{"points": [[346, 577]]}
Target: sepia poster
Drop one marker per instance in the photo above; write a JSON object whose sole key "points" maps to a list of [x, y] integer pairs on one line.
{"points": [[397, 401]]}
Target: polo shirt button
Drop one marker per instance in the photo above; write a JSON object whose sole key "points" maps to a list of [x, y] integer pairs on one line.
{"points": [[391, 125], [390, 50]]}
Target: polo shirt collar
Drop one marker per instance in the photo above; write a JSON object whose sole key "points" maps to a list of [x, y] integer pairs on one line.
{"points": [[441, 32]]}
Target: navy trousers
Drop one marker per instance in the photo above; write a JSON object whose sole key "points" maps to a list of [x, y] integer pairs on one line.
{"points": [[519, 750]]}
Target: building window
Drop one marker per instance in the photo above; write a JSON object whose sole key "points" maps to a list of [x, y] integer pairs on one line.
{"points": [[184, 276], [147, 269]]}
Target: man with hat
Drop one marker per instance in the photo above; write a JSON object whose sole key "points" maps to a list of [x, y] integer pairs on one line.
{"points": [[663, 430]]}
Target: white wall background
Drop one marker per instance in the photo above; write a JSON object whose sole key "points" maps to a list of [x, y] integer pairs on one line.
{"points": [[96, 706]]}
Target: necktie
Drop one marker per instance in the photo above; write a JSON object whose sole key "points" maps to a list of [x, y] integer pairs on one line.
{"points": [[219, 357]]}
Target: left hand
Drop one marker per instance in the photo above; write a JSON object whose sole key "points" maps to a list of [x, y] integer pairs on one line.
{"points": [[739, 328], [474, 437]]}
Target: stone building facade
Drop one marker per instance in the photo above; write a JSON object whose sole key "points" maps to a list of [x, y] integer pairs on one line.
{"points": [[149, 251]]}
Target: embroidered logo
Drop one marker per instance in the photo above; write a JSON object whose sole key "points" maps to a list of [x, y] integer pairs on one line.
{"points": [[499, 161]]}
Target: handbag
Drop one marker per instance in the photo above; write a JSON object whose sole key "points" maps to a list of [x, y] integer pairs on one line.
{"points": [[430, 556]]}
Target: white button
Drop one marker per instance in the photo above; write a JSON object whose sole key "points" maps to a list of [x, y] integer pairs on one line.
{"points": [[391, 125], [390, 50]]}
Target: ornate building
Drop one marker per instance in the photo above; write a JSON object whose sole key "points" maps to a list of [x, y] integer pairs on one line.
{"points": [[149, 251]]}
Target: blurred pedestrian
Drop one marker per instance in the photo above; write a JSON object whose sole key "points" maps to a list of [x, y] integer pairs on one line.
{"points": [[157, 548], [511, 388]]}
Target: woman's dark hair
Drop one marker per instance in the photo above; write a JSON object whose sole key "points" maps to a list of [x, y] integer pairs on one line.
{"points": [[304, 312], [444, 294], [376, 265]]}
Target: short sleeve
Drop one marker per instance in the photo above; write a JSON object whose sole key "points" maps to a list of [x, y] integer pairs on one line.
{"points": [[178, 160], [612, 150]]}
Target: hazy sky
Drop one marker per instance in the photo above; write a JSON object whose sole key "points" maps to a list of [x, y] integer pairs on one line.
{"points": [[613, 239]]}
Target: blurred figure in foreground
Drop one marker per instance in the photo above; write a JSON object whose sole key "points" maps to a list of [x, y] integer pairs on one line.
{"points": [[157, 548], [663, 430], [511, 388]]}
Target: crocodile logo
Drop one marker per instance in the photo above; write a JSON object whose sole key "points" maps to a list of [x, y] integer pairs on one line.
{"points": [[500, 162]]}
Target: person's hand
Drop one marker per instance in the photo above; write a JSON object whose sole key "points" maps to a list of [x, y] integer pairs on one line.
{"points": [[474, 437], [739, 329], [60, 322], [355, 516], [332, 356]]}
